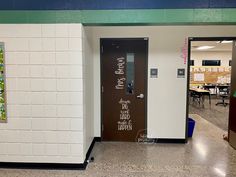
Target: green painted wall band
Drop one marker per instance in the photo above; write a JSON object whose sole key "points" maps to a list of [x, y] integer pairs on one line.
{"points": [[117, 17]]}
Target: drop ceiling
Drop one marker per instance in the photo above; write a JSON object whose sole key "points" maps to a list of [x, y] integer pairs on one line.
{"points": [[219, 47]]}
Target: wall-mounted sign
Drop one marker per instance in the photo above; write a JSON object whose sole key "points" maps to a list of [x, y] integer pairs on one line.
{"points": [[3, 117], [181, 73], [153, 72]]}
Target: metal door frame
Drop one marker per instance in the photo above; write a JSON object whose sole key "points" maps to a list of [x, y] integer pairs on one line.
{"points": [[191, 39]]}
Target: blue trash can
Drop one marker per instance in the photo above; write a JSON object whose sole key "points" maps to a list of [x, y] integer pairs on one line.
{"points": [[191, 125]]}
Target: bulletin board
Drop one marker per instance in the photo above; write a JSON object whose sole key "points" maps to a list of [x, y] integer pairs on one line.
{"points": [[3, 117], [210, 74]]}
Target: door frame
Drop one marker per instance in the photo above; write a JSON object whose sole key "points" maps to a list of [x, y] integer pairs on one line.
{"points": [[191, 39], [146, 78]]}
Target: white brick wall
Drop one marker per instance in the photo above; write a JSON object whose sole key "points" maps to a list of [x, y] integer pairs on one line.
{"points": [[44, 84]]}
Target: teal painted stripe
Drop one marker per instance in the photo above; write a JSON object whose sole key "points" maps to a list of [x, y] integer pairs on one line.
{"points": [[117, 17], [40, 17]]}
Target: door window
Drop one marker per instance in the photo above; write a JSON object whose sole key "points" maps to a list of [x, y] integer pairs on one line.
{"points": [[130, 73]]}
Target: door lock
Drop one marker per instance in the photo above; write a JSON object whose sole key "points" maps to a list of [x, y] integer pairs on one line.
{"points": [[141, 96]]}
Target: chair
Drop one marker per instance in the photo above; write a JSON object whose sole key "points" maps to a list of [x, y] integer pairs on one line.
{"points": [[223, 93], [195, 97]]}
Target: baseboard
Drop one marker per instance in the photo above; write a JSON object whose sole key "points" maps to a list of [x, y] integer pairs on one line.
{"points": [[52, 166], [156, 140], [90, 149], [98, 139], [48, 166], [169, 141]]}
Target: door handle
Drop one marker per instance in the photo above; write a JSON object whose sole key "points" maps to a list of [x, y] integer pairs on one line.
{"points": [[140, 96]]}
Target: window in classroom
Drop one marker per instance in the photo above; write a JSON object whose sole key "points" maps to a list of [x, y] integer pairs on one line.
{"points": [[191, 62], [211, 62]]}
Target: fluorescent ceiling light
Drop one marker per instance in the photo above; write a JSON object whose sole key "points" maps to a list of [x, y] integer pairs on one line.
{"points": [[205, 47], [224, 42]]}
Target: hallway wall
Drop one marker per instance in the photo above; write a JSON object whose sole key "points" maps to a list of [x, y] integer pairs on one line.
{"points": [[52, 115], [166, 114], [44, 83]]}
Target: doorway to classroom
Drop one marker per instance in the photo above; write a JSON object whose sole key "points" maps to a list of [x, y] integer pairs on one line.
{"points": [[211, 84]]}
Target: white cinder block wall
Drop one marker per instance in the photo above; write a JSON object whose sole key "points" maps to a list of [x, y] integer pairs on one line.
{"points": [[44, 83]]}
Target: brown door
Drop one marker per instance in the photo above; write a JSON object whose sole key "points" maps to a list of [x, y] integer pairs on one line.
{"points": [[123, 65], [232, 110]]}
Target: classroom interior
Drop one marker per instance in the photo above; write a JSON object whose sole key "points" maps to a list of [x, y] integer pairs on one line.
{"points": [[210, 77]]}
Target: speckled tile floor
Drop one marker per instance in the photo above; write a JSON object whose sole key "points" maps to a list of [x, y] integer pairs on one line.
{"points": [[205, 155]]}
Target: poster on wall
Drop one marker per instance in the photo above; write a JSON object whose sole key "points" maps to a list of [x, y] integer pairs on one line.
{"points": [[199, 77], [3, 117]]}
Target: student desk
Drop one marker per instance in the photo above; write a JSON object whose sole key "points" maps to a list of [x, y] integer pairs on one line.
{"points": [[209, 87], [216, 87], [201, 93]]}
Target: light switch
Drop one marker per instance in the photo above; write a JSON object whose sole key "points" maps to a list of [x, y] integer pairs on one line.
{"points": [[154, 72], [181, 73]]}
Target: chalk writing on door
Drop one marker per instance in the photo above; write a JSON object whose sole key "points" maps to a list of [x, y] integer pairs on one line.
{"points": [[121, 72], [125, 123]]}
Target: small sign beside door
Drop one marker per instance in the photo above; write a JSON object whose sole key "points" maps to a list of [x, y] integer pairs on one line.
{"points": [[154, 73], [181, 73]]}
